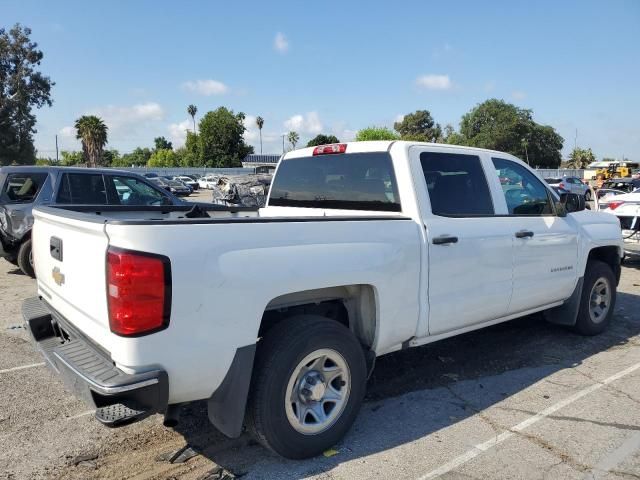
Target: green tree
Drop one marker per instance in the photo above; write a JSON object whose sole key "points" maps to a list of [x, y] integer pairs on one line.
{"points": [[192, 110], [22, 88], [419, 126], [322, 139], [260, 124], [375, 133], [44, 162], [163, 158], [71, 158], [92, 131], [497, 125], [138, 158], [162, 143], [220, 139], [111, 158], [293, 139], [580, 158]]}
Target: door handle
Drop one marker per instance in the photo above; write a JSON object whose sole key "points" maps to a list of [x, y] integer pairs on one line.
{"points": [[524, 234], [445, 240]]}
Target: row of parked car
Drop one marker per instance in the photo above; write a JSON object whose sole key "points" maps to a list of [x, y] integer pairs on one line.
{"points": [[617, 196], [180, 185]]}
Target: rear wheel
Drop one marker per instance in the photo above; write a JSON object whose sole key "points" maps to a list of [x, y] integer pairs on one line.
{"points": [[308, 385], [25, 259], [598, 299]]}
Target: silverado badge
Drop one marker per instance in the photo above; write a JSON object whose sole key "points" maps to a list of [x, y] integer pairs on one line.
{"points": [[57, 275]]}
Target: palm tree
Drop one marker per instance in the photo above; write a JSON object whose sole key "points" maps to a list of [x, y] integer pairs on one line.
{"points": [[260, 123], [293, 138], [93, 133], [192, 110]]}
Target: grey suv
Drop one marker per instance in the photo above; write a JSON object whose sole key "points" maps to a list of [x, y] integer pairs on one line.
{"points": [[22, 188]]}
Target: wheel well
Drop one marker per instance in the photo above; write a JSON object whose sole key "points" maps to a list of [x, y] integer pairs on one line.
{"points": [[608, 255], [352, 305]]}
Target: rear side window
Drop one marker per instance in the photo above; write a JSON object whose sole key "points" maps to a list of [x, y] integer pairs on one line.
{"points": [[352, 181], [457, 185], [22, 187], [82, 189]]}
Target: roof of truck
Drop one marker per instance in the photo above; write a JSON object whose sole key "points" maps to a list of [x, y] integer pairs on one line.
{"points": [[385, 145]]}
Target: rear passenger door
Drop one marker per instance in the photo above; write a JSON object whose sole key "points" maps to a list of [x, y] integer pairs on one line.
{"points": [[469, 248], [545, 245], [82, 189]]}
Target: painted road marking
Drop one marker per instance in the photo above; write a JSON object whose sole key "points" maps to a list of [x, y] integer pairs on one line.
{"points": [[615, 458], [15, 369], [483, 447]]}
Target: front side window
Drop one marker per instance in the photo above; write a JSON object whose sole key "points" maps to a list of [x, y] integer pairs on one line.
{"points": [[457, 185], [351, 181], [22, 187], [82, 189], [132, 191], [523, 191]]}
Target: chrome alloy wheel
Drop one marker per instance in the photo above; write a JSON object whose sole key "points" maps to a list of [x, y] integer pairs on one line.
{"points": [[317, 392], [600, 300]]}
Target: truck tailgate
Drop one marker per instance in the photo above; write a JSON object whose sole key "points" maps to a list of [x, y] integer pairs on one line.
{"points": [[69, 253]]}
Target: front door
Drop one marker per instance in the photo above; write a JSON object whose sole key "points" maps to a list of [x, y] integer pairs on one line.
{"points": [[545, 245], [469, 247]]}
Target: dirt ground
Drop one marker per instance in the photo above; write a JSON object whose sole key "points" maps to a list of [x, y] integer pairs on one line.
{"points": [[520, 400]]}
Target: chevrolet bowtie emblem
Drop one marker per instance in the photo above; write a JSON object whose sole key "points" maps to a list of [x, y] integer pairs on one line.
{"points": [[58, 276]]}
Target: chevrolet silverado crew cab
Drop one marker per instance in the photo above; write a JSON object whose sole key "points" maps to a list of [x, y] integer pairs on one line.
{"points": [[275, 316]]}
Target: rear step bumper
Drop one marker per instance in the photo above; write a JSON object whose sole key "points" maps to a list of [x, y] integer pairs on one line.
{"points": [[88, 372]]}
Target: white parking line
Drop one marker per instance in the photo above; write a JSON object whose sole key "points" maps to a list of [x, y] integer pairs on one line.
{"points": [[613, 459], [483, 447], [15, 369]]}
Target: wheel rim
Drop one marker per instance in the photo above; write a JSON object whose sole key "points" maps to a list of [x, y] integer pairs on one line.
{"points": [[317, 392], [31, 257], [588, 195], [600, 300]]}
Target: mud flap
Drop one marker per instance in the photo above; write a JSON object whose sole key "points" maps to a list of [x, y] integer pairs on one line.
{"points": [[567, 313], [226, 407]]}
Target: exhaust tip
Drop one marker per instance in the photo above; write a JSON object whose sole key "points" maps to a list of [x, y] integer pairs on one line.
{"points": [[172, 416]]}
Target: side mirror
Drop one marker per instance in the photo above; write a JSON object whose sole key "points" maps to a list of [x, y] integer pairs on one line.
{"points": [[572, 202]]}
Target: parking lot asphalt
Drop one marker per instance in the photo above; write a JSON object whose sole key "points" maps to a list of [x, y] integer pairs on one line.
{"points": [[523, 399]]}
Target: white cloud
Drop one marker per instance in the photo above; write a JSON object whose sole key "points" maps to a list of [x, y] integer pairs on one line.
{"points": [[206, 87], [434, 82], [124, 118], [518, 95], [280, 43], [398, 118], [67, 132], [178, 132], [271, 142], [308, 123]]}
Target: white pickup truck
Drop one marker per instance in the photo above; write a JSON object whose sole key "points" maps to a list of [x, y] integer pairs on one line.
{"points": [[275, 316]]}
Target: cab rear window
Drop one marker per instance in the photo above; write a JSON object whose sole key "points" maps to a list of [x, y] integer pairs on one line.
{"points": [[352, 181]]}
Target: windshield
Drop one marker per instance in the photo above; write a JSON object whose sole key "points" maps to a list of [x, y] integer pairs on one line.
{"points": [[355, 181]]}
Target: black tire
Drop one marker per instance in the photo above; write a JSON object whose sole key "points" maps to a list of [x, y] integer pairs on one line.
{"points": [[587, 195], [24, 259], [279, 353], [596, 271]]}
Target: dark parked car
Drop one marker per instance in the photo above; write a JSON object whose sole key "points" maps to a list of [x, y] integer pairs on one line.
{"points": [[22, 188], [626, 185]]}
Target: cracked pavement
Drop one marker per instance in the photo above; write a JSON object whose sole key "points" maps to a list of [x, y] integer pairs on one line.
{"points": [[458, 405]]}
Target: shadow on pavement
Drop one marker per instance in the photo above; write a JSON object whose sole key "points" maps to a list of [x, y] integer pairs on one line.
{"points": [[432, 381]]}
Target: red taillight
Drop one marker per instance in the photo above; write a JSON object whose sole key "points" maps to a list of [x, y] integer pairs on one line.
{"points": [[138, 292], [330, 149], [614, 205]]}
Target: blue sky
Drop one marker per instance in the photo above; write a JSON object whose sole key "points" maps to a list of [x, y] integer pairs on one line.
{"points": [[335, 67]]}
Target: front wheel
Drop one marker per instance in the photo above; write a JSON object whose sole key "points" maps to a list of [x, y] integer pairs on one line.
{"points": [[308, 385], [598, 299]]}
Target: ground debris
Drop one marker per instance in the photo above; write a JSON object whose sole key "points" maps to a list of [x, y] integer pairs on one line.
{"points": [[180, 455], [217, 473], [83, 458]]}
